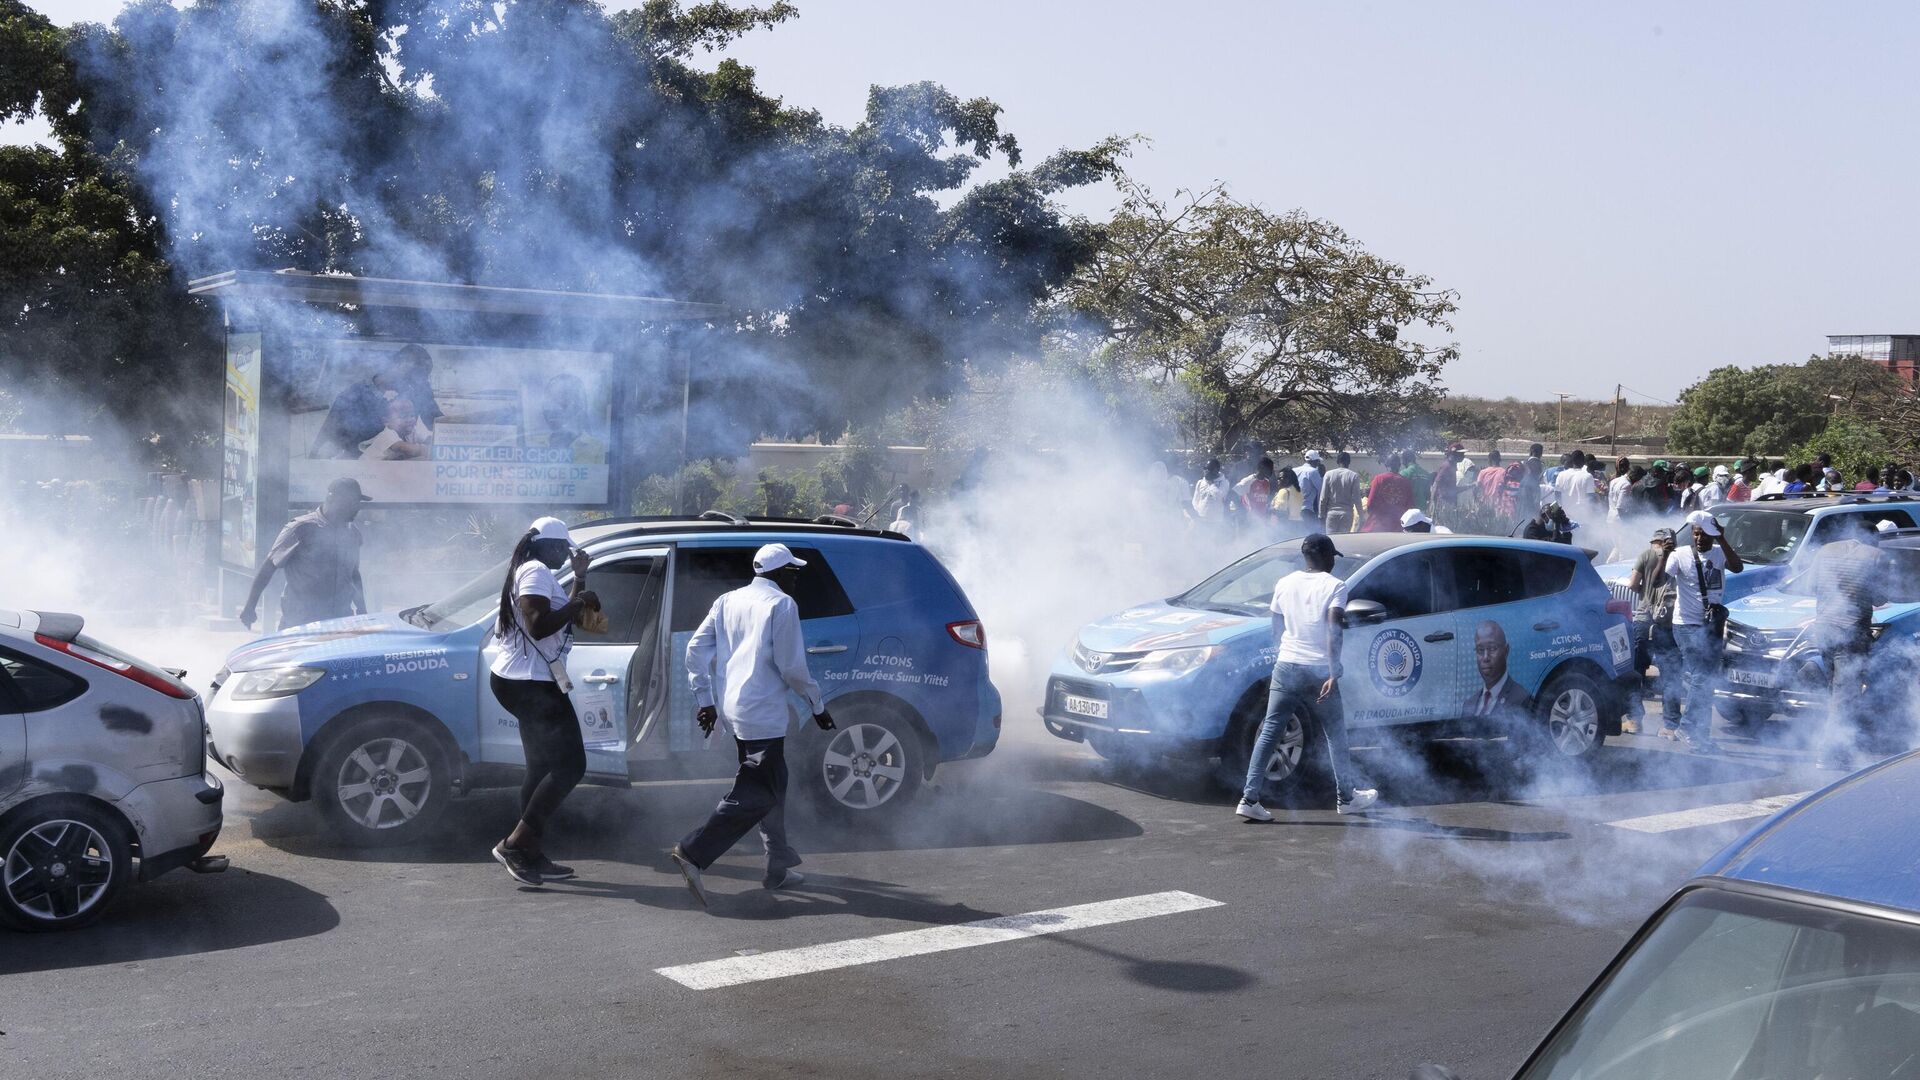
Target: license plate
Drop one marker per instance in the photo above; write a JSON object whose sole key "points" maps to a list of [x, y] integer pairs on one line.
{"points": [[1080, 706], [1751, 678]]}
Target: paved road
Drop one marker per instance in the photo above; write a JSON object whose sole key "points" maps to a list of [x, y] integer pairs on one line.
{"points": [[1451, 927]]}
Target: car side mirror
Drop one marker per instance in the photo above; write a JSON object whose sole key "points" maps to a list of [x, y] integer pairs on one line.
{"points": [[1432, 1072], [1360, 612]]}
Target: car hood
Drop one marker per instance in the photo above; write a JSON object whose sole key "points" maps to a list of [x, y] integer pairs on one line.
{"points": [[333, 640], [1165, 626], [1773, 609]]}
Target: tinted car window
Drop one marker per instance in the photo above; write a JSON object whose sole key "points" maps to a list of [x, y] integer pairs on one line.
{"points": [[1403, 584], [29, 686], [702, 574], [1545, 574], [1486, 576], [628, 593]]}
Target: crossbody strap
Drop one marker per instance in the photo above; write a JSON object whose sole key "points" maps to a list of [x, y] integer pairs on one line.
{"points": [[1700, 582]]}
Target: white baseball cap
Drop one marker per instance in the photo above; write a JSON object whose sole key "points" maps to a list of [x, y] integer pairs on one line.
{"points": [[551, 528], [1884, 526], [773, 557], [1313, 455], [1703, 521], [1414, 517], [1720, 470]]}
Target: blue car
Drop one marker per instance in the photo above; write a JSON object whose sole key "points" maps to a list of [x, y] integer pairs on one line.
{"points": [[1776, 535], [383, 719], [1773, 665], [1457, 634], [1793, 953]]}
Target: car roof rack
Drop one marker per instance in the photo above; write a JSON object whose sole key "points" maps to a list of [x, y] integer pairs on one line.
{"points": [[720, 521], [722, 515], [841, 520], [1782, 496]]}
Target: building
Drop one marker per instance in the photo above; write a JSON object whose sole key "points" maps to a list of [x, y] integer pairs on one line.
{"points": [[1898, 353]]}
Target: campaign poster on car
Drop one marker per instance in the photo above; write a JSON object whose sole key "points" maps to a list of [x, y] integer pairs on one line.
{"points": [[420, 422], [240, 451]]}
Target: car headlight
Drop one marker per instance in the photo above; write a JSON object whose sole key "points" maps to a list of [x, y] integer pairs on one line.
{"points": [[274, 682], [1178, 661]]}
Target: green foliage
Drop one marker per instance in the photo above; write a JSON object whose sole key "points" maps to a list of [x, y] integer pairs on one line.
{"points": [[1269, 322], [1853, 444], [790, 493], [1765, 409], [856, 474], [701, 486]]}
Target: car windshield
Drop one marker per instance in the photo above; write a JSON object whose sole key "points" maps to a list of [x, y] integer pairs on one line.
{"points": [[1729, 986], [1764, 536], [1901, 579], [1246, 587], [465, 605]]}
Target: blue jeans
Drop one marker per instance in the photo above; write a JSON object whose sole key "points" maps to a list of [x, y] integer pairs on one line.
{"points": [[1699, 666], [1296, 689], [1666, 657]]}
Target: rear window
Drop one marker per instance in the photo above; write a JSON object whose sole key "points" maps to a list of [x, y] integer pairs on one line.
{"points": [[30, 686], [701, 574]]}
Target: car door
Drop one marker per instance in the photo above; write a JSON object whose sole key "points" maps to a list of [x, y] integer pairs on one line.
{"points": [[1508, 633], [600, 664], [1401, 668], [701, 573], [13, 732]]}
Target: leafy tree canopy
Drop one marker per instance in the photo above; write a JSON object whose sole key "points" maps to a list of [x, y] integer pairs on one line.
{"points": [[1765, 410]]}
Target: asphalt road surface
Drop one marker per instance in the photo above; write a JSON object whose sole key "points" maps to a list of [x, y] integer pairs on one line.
{"points": [[1453, 926]]}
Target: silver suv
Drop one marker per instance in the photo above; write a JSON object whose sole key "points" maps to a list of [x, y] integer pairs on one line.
{"points": [[102, 773]]}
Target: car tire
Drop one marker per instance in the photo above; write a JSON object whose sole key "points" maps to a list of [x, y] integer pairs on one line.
{"points": [[382, 781], [62, 862], [1567, 717], [1284, 767], [868, 767]]}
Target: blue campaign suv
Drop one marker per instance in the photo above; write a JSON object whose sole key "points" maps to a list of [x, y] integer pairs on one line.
{"points": [[383, 718], [1438, 628]]}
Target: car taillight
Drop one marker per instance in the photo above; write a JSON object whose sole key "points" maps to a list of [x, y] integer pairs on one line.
{"points": [[1620, 607], [152, 680], [971, 634]]}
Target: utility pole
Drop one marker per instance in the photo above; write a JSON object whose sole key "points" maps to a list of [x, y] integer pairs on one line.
{"points": [[1613, 440], [1560, 421]]}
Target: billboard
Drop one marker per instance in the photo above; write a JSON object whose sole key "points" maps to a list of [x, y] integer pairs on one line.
{"points": [[419, 422], [240, 452]]}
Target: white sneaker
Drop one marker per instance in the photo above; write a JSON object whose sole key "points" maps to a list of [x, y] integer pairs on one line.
{"points": [[1252, 811], [1363, 799]]}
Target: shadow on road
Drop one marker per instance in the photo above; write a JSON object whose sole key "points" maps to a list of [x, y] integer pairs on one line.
{"points": [[178, 915]]}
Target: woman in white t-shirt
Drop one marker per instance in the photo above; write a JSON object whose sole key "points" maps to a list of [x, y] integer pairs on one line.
{"points": [[535, 631]]}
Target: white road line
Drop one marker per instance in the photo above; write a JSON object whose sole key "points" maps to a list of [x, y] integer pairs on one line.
{"points": [[735, 970], [1709, 815]]}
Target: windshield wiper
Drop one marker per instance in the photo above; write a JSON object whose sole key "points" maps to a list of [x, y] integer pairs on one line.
{"points": [[417, 615]]}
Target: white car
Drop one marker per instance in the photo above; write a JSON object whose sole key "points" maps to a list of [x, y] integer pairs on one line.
{"points": [[102, 773]]}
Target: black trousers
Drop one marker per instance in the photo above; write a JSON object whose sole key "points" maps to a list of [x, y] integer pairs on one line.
{"points": [[550, 737], [759, 798]]}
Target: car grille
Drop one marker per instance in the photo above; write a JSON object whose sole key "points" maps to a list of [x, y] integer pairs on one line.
{"points": [[1099, 663], [1620, 591], [1771, 643]]}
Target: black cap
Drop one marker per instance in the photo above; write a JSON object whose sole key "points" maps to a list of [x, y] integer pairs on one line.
{"points": [[347, 485], [1319, 544]]}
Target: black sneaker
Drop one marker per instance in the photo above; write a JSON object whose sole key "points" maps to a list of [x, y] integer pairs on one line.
{"points": [[550, 870], [517, 864]]}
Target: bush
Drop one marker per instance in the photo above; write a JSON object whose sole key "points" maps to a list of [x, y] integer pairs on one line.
{"points": [[704, 485], [790, 494], [1854, 446]]}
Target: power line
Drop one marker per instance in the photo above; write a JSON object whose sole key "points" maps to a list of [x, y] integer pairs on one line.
{"points": [[1648, 396]]}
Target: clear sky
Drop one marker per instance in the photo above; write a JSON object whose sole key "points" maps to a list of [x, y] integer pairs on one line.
{"points": [[1619, 192]]}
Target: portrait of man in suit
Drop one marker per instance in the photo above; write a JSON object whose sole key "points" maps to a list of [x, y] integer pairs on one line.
{"points": [[1499, 696]]}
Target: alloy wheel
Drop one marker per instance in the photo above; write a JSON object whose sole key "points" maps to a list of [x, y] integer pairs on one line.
{"points": [[58, 869], [384, 783], [864, 766]]}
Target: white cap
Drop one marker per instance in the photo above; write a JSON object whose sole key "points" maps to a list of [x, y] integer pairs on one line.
{"points": [[1414, 517], [1704, 522], [1313, 455], [773, 557], [1720, 470], [1884, 526], [551, 528]]}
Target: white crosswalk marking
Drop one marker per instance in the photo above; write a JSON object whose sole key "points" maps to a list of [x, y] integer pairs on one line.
{"points": [[1709, 815], [735, 970]]}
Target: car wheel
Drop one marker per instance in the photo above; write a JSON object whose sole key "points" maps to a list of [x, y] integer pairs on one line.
{"points": [[382, 781], [871, 763], [61, 863], [1568, 716], [1283, 765]]}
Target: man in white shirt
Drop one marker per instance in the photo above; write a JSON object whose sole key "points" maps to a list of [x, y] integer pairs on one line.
{"points": [[742, 661], [1309, 477], [1308, 608], [1574, 485], [1715, 492], [1698, 572]]}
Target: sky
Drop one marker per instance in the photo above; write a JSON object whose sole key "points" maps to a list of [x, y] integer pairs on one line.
{"points": [[1622, 192]]}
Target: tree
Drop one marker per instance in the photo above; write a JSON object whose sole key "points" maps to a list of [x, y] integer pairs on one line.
{"points": [[1854, 446], [1765, 410], [1273, 322]]}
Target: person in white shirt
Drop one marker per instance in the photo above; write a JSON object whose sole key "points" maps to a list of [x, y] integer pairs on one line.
{"points": [[742, 661], [1716, 490], [1210, 494], [1575, 488], [1308, 608], [1617, 489], [1698, 572], [1309, 476]]}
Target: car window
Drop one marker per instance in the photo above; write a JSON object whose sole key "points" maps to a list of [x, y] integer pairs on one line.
{"points": [[1247, 585], [1402, 584], [1545, 574], [629, 592], [1764, 536], [1485, 576], [701, 574], [30, 686]]}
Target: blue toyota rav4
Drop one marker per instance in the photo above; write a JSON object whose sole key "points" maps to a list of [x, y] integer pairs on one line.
{"points": [[1454, 634], [383, 718]]}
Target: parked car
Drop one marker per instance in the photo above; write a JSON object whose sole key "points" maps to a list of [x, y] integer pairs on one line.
{"points": [[1773, 665], [1776, 535], [102, 773], [1795, 952], [382, 719], [1187, 677]]}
